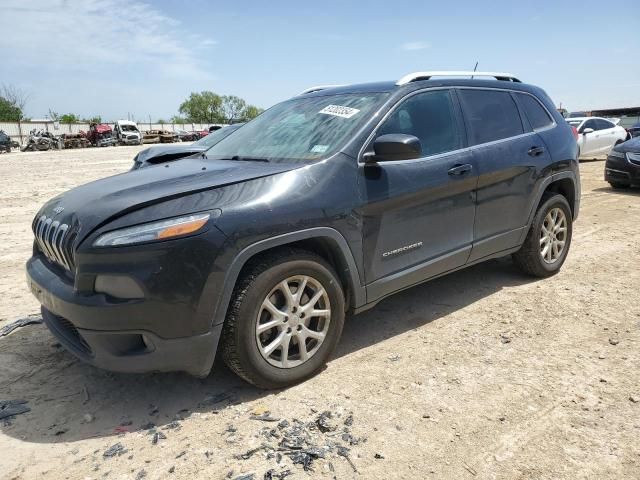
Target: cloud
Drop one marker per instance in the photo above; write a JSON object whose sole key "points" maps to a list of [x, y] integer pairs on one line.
{"points": [[414, 46], [94, 35]]}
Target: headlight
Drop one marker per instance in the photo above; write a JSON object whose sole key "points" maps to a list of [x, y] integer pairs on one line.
{"points": [[149, 232], [614, 153]]}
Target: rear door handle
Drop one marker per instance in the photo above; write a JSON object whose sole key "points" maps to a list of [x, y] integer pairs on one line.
{"points": [[535, 151], [458, 170]]}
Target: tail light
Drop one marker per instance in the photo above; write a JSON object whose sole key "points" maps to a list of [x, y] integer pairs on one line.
{"points": [[574, 130]]}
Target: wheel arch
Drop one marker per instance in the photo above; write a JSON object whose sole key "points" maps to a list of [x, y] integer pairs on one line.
{"points": [[324, 241]]}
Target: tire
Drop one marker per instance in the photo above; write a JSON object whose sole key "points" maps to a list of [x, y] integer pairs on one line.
{"points": [[530, 258], [261, 281], [619, 186]]}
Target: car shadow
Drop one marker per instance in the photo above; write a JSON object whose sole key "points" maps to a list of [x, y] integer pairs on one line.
{"points": [[633, 191], [72, 401]]}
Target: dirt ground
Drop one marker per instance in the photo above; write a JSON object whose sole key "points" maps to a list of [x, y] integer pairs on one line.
{"points": [[482, 374]]}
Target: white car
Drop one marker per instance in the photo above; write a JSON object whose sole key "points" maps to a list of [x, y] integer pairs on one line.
{"points": [[596, 136]]}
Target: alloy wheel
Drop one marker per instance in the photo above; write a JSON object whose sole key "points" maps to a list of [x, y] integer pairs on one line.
{"points": [[293, 321], [553, 235]]}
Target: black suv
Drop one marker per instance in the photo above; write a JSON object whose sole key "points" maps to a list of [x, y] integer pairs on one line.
{"points": [[321, 206]]}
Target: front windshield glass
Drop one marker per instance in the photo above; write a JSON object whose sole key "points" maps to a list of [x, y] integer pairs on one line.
{"points": [[216, 136], [302, 128], [129, 128]]}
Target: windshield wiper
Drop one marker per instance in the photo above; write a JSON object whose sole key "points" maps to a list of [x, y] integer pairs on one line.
{"points": [[248, 159]]}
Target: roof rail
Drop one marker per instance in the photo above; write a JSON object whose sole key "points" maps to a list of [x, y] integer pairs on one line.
{"points": [[317, 88], [415, 76]]}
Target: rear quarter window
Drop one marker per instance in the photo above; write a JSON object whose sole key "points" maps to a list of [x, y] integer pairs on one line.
{"points": [[490, 115], [536, 114]]}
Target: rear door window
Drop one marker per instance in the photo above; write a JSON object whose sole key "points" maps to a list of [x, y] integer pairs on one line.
{"points": [[536, 114], [603, 124], [490, 114], [431, 117]]}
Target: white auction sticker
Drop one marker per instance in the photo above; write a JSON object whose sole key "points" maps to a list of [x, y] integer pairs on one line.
{"points": [[319, 148], [339, 111]]}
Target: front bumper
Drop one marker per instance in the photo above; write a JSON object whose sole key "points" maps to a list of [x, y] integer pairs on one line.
{"points": [[69, 315], [622, 170]]}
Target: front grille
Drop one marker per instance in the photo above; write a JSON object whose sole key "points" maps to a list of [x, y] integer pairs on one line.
{"points": [[55, 240]]}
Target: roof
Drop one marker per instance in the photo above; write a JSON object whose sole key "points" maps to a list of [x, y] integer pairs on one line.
{"points": [[418, 80]]}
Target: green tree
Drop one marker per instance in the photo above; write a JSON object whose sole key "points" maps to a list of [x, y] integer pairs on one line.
{"points": [[251, 112], [203, 107], [53, 115], [8, 111], [69, 118], [94, 119], [232, 108], [12, 103]]}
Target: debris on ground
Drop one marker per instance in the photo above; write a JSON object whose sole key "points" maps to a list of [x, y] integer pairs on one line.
{"points": [[141, 474], [273, 475], [23, 322], [157, 436], [303, 442], [324, 423], [115, 450], [614, 341], [246, 476], [393, 358], [265, 417], [10, 408]]}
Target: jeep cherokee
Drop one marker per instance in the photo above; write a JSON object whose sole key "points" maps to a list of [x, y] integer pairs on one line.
{"points": [[321, 206]]}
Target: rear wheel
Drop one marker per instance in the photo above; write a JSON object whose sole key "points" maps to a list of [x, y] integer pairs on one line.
{"points": [[549, 238], [285, 319]]}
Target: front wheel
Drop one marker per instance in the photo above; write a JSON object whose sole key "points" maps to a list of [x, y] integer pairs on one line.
{"points": [[285, 319], [547, 243]]}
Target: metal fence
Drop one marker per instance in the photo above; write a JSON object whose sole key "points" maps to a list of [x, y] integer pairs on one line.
{"points": [[20, 131]]}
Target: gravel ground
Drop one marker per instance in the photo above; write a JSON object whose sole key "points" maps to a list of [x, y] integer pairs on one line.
{"points": [[481, 374]]}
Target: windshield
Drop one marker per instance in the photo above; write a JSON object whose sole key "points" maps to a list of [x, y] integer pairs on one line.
{"points": [[214, 137], [128, 128], [301, 128]]}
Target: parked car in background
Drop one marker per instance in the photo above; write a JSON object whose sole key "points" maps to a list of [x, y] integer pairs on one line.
{"points": [[159, 136], [101, 135], [320, 207], [596, 135], [161, 154], [5, 142], [127, 133], [634, 130], [185, 136], [622, 168]]}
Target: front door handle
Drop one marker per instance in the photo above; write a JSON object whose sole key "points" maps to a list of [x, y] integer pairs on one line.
{"points": [[458, 170], [535, 151]]}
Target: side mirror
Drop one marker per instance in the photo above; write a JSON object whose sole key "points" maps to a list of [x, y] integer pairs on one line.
{"points": [[587, 130], [394, 146]]}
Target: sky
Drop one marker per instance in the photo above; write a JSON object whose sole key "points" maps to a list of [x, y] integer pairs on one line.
{"points": [[118, 57]]}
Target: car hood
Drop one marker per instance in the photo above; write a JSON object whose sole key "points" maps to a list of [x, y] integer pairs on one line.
{"points": [[89, 206], [632, 146], [170, 151]]}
